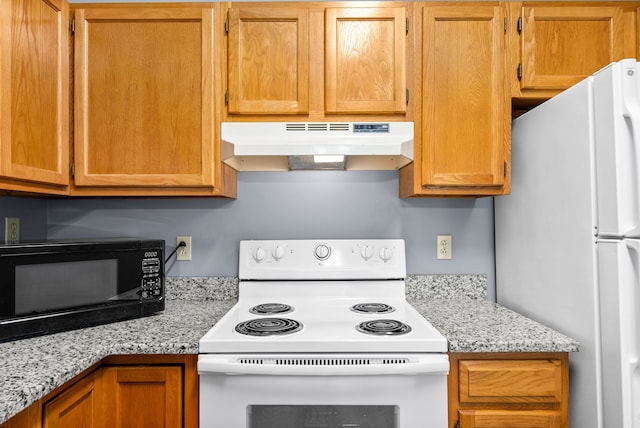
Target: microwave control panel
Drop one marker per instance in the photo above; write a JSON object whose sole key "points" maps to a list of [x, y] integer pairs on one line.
{"points": [[151, 285]]}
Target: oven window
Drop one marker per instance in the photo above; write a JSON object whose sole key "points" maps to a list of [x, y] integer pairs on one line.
{"points": [[52, 286], [304, 416]]}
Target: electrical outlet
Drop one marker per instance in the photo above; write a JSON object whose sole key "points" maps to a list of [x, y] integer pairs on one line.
{"points": [[184, 253], [443, 247], [11, 229]]}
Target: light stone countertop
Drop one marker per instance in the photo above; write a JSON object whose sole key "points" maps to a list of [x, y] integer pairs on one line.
{"points": [[455, 304]]}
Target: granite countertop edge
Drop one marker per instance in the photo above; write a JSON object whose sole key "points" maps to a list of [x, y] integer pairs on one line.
{"points": [[32, 368]]}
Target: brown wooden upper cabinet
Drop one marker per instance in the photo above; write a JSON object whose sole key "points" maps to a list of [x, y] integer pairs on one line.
{"points": [[365, 51], [268, 61], [312, 60], [34, 96], [463, 141], [555, 46], [144, 99]]}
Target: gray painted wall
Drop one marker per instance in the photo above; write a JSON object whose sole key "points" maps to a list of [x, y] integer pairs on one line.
{"points": [[292, 205], [32, 213], [278, 205]]}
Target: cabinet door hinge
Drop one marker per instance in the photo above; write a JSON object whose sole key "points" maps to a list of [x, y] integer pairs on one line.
{"points": [[406, 23], [504, 172], [519, 25], [226, 96], [226, 24], [72, 25], [505, 24], [520, 71], [457, 425], [407, 94], [73, 170]]}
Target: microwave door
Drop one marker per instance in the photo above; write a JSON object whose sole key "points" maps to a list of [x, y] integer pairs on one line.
{"points": [[133, 294]]}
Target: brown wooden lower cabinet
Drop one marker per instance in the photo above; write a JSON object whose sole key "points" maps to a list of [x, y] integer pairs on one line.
{"points": [[139, 391], [486, 390], [509, 390], [80, 405], [510, 418], [140, 396], [31, 417]]}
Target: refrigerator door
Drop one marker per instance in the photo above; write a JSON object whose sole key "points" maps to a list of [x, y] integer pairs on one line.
{"points": [[544, 236], [619, 278], [616, 99]]}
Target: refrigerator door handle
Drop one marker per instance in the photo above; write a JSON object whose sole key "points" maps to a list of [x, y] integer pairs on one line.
{"points": [[631, 114], [631, 100], [629, 310]]}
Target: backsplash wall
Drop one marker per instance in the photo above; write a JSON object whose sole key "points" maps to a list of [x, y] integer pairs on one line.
{"points": [[32, 212], [288, 205]]}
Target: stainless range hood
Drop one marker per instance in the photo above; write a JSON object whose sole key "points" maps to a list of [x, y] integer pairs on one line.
{"points": [[283, 146]]}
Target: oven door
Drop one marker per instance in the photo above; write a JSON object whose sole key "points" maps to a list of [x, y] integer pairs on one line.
{"points": [[323, 391]]}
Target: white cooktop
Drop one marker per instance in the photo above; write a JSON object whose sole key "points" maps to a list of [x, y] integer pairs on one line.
{"points": [[327, 279]]}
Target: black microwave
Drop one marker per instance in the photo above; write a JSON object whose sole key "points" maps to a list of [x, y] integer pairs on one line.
{"points": [[52, 286]]}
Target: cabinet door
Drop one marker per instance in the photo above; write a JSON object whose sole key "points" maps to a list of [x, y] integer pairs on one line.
{"points": [[365, 60], [268, 61], [31, 417], [78, 406], [510, 419], [465, 105], [563, 45], [144, 97], [34, 91], [143, 396]]}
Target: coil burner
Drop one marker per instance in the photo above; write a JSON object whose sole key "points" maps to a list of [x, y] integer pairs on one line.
{"points": [[268, 327], [271, 309], [383, 327], [372, 308]]}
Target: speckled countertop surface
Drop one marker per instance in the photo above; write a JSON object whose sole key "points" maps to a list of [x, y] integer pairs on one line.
{"points": [[455, 304]]}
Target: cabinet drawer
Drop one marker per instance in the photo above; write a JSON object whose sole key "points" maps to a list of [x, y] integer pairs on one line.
{"points": [[510, 381], [510, 419]]}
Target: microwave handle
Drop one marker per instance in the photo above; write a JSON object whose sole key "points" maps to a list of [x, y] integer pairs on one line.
{"points": [[436, 364]]}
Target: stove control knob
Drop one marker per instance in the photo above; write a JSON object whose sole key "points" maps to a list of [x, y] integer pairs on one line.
{"points": [[386, 253], [366, 252], [278, 252], [322, 251], [259, 254]]}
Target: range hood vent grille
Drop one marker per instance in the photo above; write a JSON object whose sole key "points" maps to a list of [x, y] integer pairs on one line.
{"points": [[296, 126], [317, 127], [301, 126], [339, 127]]}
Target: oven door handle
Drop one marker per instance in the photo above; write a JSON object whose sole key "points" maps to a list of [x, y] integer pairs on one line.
{"points": [[429, 365]]}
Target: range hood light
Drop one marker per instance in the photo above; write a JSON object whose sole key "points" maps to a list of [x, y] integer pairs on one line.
{"points": [[328, 158], [309, 163]]}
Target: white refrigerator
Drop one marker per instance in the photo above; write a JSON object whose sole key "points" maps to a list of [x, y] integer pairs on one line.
{"points": [[568, 237]]}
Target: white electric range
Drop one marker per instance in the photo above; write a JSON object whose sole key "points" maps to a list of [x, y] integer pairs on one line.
{"points": [[322, 336]]}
